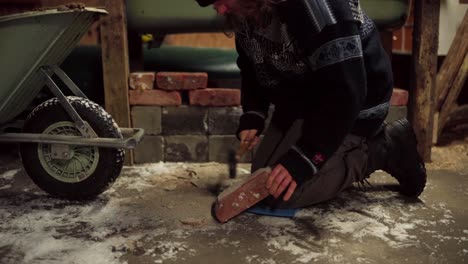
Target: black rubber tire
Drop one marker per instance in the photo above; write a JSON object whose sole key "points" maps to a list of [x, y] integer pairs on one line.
{"points": [[110, 161]]}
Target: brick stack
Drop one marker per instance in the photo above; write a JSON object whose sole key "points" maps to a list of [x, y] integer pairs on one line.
{"points": [[184, 120], [187, 122]]}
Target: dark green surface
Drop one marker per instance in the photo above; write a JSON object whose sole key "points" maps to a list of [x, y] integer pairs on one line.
{"points": [[179, 16], [387, 14], [171, 16], [218, 63]]}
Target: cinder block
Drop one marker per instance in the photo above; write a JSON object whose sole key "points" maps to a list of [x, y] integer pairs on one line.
{"points": [[220, 146], [154, 97], [151, 149], [181, 80], [186, 149], [141, 80], [399, 97], [184, 120], [215, 97], [148, 118], [396, 112], [223, 120]]}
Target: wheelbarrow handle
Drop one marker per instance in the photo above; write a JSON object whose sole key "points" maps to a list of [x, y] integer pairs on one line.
{"points": [[135, 135]]}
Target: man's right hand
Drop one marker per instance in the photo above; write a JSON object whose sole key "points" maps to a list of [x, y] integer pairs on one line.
{"points": [[249, 137]]}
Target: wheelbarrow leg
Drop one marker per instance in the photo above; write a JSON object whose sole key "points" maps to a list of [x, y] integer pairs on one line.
{"points": [[85, 129]]}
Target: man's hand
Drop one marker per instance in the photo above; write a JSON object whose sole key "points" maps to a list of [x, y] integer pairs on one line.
{"points": [[279, 180], [249, 137]]}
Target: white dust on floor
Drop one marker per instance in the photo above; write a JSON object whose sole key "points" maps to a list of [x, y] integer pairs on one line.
{"points": [[360, 217], [9, 175], [170, 175], [38, 229], [6, 179], [44, 230], [356, 215]]}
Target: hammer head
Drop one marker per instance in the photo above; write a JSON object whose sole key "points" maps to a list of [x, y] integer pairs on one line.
{"points": [[232, 163], [234, 158]]}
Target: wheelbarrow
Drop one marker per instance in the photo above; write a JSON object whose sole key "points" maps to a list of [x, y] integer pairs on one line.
{"points": [[69, 146]]}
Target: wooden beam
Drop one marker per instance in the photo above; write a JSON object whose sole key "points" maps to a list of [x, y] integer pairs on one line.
{"points": [[424, 69], [452, 62], [115, 64], [450, 104], [459, 116]]}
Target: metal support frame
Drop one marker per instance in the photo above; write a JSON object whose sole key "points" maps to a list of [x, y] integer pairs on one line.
{"points": [[68, 82], [83, 126], [132, 136]]}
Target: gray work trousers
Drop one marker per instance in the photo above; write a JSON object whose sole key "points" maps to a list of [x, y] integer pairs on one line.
{"points": [[346, 166]]}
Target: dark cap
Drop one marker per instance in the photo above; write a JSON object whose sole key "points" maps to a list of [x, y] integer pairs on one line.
{"points": [[205, 2]]}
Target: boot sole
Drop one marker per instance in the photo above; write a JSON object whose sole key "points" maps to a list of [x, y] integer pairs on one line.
{"points": [[418, 183]]}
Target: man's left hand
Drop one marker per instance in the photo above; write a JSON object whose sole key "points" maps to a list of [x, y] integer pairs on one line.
{"points": [[279, 180]]}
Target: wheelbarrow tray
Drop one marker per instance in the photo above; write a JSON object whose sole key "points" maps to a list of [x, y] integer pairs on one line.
{"points": [[31, 40]]}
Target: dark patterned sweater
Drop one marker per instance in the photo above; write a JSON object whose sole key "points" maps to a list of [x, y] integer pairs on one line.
{"points": [[321, 61]]}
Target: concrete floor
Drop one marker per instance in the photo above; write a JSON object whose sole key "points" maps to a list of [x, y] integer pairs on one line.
{"points": [[160, 213]]}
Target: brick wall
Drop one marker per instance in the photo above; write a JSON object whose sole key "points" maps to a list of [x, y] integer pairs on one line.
{"points": [[185, 121]]}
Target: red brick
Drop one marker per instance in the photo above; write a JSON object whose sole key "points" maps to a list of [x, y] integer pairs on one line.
{"points": [[215, 97], [181, 80], [154, 97], [242, 196], [399, 97], [142, 80]]}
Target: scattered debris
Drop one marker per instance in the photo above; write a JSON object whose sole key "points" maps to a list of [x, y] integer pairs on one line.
{"points": [[131, 246], [7, 186], [67, 7], [170, 187], [194, 183], [9, 175], [191, 173], [193, 221], [71, 6], [453, 158]]}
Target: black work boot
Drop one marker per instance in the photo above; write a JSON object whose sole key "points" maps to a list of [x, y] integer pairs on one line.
{"points": [[394, 150]]}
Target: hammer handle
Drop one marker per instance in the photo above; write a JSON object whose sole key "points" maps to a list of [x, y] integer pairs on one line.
{"points": [[244, 147]]}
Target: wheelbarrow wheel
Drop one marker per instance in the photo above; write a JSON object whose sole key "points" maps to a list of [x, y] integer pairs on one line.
{"points": [[71, 172]]}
